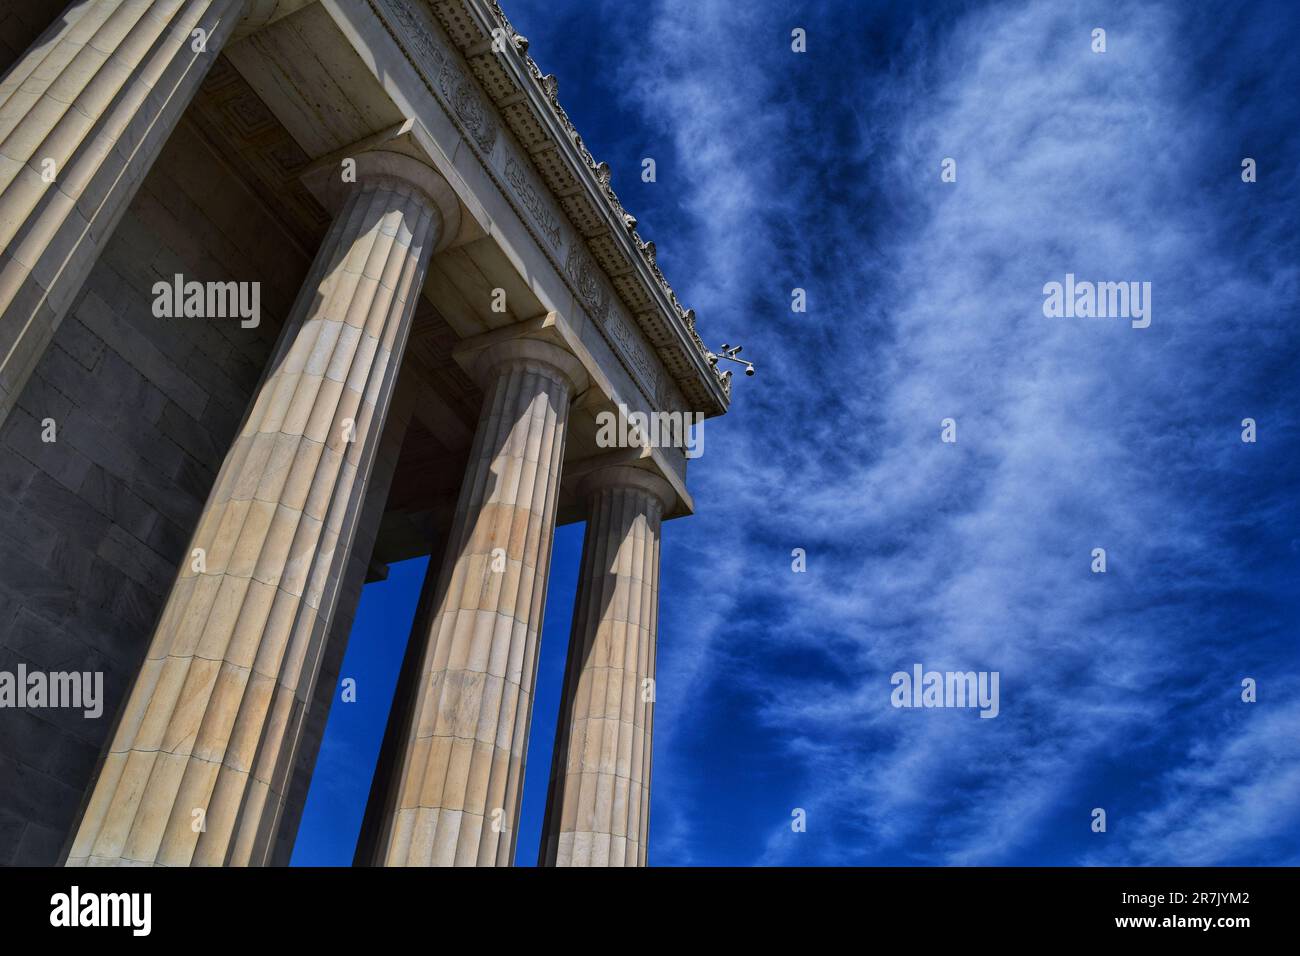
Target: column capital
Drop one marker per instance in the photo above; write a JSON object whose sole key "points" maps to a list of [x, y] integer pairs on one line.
{"points": [[528, 351], [376, 164], [627, 476]]}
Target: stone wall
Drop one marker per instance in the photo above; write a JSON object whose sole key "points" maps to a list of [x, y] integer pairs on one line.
{"points": [[94, 524]]}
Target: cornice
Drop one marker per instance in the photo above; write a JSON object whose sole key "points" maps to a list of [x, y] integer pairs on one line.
{"points": [[529, 104]]}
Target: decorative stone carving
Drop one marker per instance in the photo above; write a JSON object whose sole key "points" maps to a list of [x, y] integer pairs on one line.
{"points": [[464, 100], [618, 330], [456, 88], [531, 197], [586, 277], [600, 170], [417, 34]]}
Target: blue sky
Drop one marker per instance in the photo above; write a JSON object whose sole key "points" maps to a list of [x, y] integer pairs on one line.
{"points": [[821, 171]]}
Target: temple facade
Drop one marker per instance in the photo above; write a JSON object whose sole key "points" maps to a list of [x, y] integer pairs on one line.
{"points": [[291, 290]]}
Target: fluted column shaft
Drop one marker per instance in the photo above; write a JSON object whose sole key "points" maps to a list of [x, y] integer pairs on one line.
{"points": [[598, 805], [83, 115], [458, 786], [198, 766]]}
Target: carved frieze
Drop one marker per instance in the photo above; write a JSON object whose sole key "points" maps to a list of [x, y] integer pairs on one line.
{"points": [[531, 197], [585, 276], [648, 372], [460, 91], [417, 35], [457, 89]]}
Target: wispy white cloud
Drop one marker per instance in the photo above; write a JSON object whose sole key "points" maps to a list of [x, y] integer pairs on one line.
{"points": [[1227, 801], [1072, 434]]}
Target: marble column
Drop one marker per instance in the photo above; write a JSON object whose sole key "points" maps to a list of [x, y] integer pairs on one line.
{"points": [[83, 115], [197, 768], [456, 799], [598, 806]]}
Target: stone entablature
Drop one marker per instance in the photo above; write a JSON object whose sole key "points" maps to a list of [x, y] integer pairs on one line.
{"points": [[562, 195]]}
